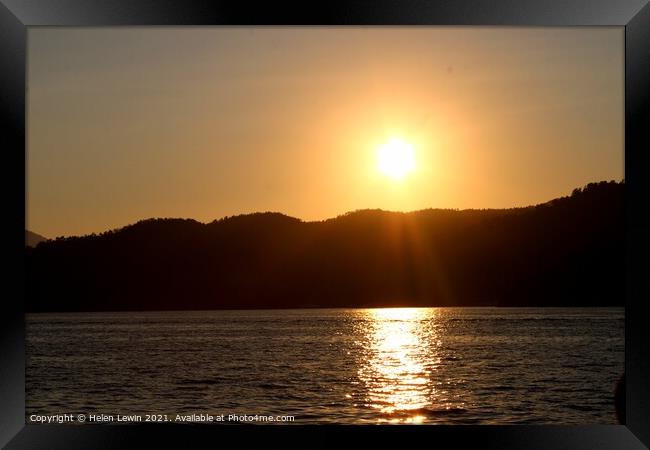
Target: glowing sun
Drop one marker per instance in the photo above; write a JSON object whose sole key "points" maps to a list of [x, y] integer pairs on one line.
{"points": [[396, 159]]}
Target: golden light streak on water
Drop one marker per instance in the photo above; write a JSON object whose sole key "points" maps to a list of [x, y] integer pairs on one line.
{"points": [[396, 374]]}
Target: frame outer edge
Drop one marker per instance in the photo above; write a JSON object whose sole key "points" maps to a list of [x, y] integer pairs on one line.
{"points": [[13, 34], [637, 119], [343, 12], [13, 38]]}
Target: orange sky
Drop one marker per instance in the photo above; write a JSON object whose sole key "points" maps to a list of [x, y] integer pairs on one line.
{"points": [[131, 123]]}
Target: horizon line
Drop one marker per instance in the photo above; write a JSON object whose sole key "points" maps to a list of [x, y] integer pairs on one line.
{"points": [[243, 214]]}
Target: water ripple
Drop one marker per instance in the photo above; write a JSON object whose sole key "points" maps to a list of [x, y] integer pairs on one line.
{"points": [[404, 365]]}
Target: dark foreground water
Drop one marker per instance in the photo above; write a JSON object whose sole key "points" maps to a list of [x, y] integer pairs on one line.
{"points": [[411, 365]]}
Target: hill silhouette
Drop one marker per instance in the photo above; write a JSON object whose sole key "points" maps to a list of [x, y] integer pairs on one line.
{"points": [[566, 252], [33, 239]]}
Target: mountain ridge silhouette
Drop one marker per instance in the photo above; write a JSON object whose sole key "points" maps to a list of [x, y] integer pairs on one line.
{"points": [[33, 239], [565, 252]]}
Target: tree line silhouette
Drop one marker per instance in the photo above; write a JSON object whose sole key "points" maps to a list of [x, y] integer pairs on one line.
{"points": [[566, 252]]}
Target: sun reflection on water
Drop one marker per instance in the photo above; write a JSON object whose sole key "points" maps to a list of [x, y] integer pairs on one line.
{"points": [[400, 356]]}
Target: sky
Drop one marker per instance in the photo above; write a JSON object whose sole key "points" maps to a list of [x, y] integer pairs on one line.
{"points": [[125, 124]]}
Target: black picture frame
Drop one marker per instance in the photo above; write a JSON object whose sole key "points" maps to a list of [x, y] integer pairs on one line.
{"points": [[633, 15]]}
